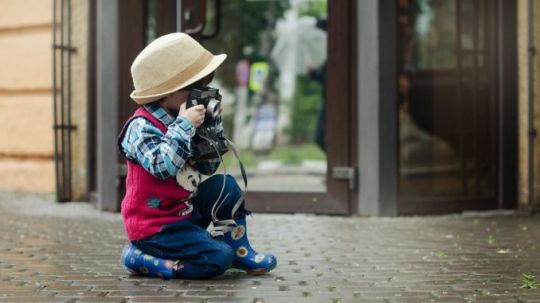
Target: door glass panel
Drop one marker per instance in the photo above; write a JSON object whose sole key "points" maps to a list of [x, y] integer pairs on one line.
{"points": [[446, 102], [428, 37], [273, 88], [150, 21]]}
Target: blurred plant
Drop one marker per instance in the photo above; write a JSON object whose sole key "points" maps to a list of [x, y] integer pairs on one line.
{"points": [[244, 25], [315, 8], [307, 100], [247, 158], [296, 154], [529, 281], [441, 254]]}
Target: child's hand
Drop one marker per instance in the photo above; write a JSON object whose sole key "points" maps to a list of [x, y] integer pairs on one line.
{"points": [[194, 114]]}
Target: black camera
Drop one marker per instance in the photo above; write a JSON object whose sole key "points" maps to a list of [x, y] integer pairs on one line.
{"points": [[208, 142], [207, 96]]}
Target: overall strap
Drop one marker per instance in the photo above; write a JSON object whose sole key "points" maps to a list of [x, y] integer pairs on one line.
{"points": [[142, 112]]}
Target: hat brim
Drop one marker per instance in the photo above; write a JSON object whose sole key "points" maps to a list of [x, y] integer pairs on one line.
{"points": [[212, 66]]}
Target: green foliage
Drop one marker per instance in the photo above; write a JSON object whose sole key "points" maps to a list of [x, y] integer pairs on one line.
{"points": [[315, 8], [307, 102], [228, 125], [296, 154], [243, 24], [529, 281], [441, 254], [247, 157], [293, 155]]}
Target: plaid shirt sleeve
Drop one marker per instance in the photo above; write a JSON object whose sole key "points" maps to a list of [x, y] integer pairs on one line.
{"points": [[162, 155]]}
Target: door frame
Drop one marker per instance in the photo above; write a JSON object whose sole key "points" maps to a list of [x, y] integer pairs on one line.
{"points": [[132, 40], [341, 119], [508, 105], [377, 109]]}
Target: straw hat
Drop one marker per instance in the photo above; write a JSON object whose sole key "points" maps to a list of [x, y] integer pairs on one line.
{"points": [[170, 63]]}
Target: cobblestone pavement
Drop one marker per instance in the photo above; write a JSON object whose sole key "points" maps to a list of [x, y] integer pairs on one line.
{"points": [[70, 253]]}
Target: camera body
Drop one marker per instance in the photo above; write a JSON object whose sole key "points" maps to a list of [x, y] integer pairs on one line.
{"points": [[207, 142], [207, 96]]}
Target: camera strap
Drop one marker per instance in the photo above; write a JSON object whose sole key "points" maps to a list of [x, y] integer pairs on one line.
{"points": [[217, 228], [242, 170]]}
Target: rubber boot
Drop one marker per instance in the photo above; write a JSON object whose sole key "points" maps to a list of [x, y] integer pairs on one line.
{"points": [[139, 263], [246, 258]]}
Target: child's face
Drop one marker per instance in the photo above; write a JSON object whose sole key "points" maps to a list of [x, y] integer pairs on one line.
{"points": [[173, 101]]}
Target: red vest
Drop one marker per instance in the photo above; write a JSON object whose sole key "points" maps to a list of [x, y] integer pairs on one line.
{"points": [[150, 202]]}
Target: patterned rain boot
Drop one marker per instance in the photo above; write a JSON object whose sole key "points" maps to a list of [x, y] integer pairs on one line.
{"points": [[245, 257], [139, 263]]}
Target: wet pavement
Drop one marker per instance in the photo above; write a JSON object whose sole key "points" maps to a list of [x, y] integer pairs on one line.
{"points": [[70, 253]]}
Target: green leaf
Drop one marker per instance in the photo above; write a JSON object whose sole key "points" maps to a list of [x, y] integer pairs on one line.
{"points": [[441, 254], [529, 281]]}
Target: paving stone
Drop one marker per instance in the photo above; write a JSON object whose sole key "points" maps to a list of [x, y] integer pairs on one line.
{"points": [[32, 299], [123, 287], [101, 300], [166, 300], [231, 300], [70, 253], [140, 293]]}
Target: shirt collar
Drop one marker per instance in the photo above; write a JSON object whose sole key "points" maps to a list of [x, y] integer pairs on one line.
{"points": [[159, 113]]}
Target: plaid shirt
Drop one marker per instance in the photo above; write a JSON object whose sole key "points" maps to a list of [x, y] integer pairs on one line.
{"points": [[163, 155]]}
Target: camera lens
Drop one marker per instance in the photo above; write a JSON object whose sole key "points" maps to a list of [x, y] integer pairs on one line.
{"points": [[213, 107]]}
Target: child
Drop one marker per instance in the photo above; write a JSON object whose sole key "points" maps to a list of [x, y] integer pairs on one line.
{"points": [[166, 211]]}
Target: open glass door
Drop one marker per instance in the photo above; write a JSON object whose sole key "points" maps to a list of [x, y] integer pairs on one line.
{"points": [[286, 97]]}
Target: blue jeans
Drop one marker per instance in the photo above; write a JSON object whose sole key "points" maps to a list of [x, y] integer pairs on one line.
{"points": [[187, 240]]}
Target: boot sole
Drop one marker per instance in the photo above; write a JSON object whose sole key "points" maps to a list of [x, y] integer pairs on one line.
{"points": [[258, 271], [254, 271]]}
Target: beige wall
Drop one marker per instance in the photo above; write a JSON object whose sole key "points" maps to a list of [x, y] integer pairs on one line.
{"points": [[523, 102], [21, 14], [26, 136], [26, 145]]}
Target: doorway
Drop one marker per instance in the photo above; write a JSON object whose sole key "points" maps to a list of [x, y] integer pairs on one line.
{"points": [[288, 103], [450, 101]]}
